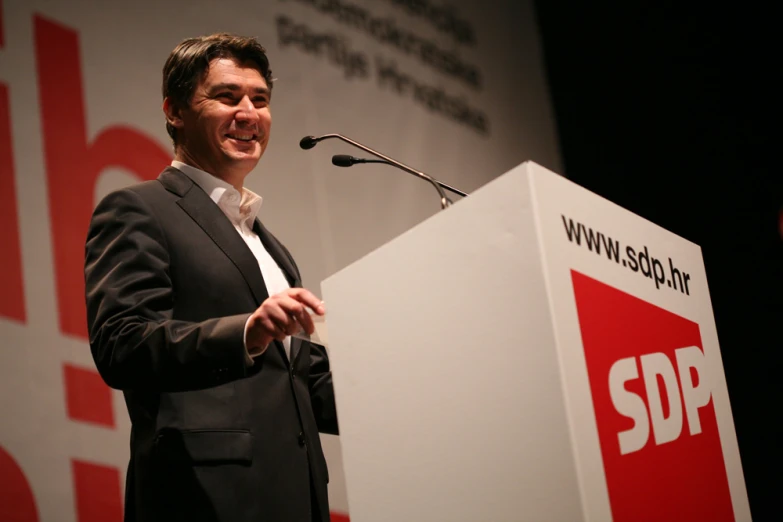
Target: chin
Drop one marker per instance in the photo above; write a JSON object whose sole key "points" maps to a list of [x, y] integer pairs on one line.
{"points": [[248, 156], [253, 154], [248, 161]]}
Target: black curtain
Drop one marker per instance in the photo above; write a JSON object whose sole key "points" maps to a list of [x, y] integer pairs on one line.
{"points": [[669, 111]]}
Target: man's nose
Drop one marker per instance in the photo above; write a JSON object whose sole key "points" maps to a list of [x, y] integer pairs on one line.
{"points": [[247, 111]]}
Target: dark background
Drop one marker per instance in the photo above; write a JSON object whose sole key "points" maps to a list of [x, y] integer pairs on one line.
{"points": [[668, 111]]}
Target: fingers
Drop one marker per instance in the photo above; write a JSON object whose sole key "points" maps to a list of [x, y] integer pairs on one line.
{"points": [[306, 323], [295, 302], [307, 298], [266, 324], [272, 328], [284, 314], [275, 319], [297, 312]]}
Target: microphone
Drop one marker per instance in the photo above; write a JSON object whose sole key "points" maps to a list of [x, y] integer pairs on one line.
{"points": [[343, 160], [308, 142]]}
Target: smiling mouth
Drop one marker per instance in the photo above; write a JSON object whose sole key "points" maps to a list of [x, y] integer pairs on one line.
{"points": [[243, 137]]}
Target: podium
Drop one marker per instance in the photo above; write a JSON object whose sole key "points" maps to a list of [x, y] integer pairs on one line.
{"points": [[533, 352]]}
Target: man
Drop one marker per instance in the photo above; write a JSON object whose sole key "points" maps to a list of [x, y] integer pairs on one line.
{"points": [[191, 303]]}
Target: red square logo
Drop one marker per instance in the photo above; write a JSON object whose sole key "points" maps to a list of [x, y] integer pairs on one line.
{"points": [[88, 399], [654, 410]]}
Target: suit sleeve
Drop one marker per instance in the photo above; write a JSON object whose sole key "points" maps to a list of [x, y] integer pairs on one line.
{"points": [[135, 342]]}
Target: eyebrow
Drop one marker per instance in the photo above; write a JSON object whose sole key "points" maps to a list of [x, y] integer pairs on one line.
{"points": [[236, 87]]}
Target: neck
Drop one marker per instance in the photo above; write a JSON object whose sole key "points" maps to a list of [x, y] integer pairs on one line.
{"points": [[237, 181]]}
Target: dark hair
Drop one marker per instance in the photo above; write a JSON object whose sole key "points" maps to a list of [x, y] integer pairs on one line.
{"points": [[189, 62]]}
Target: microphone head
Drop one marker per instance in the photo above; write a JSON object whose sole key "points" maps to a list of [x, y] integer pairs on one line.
{"points": [[341, 160], [308, 142]]}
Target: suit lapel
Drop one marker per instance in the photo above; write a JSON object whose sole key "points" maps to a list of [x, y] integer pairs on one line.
{"points": [[284, 261], [296, 346], [197, 204], [278, 253]]}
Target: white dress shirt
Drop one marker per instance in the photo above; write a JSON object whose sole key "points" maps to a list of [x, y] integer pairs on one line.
{"points": [[241, 210]]}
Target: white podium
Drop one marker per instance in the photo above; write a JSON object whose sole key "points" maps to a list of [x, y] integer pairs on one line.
{"points": [[534, 352]]}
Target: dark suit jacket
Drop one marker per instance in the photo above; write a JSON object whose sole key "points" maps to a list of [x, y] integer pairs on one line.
{"points": [[170, 285]]}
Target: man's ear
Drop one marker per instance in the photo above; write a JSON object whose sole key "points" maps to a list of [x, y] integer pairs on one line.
{"points": [[173, 113]]}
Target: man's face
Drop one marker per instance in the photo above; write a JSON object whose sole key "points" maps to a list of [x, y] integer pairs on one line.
{"points": [[225, 129]]}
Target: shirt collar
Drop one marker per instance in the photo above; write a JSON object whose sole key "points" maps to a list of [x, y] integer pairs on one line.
{"points": [[238, 207]]}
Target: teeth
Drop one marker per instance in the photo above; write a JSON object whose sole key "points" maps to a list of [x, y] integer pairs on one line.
{"points": [[241, 138]]}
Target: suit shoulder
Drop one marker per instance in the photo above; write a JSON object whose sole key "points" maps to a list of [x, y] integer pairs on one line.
{"points": [[136, 207], [152, 187], [144, 189], [146, 193]]}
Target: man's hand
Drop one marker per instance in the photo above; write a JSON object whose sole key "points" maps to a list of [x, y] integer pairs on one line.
{"points": [[282, 315]]}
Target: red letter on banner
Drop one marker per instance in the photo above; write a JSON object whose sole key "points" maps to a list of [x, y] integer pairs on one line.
{"points": [[17, 503], [12, 296], [87, 398], [98, 492], [73, 165]]}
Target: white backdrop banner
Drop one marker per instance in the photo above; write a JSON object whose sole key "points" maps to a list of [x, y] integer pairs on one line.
{"points": [[455, 89]]}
